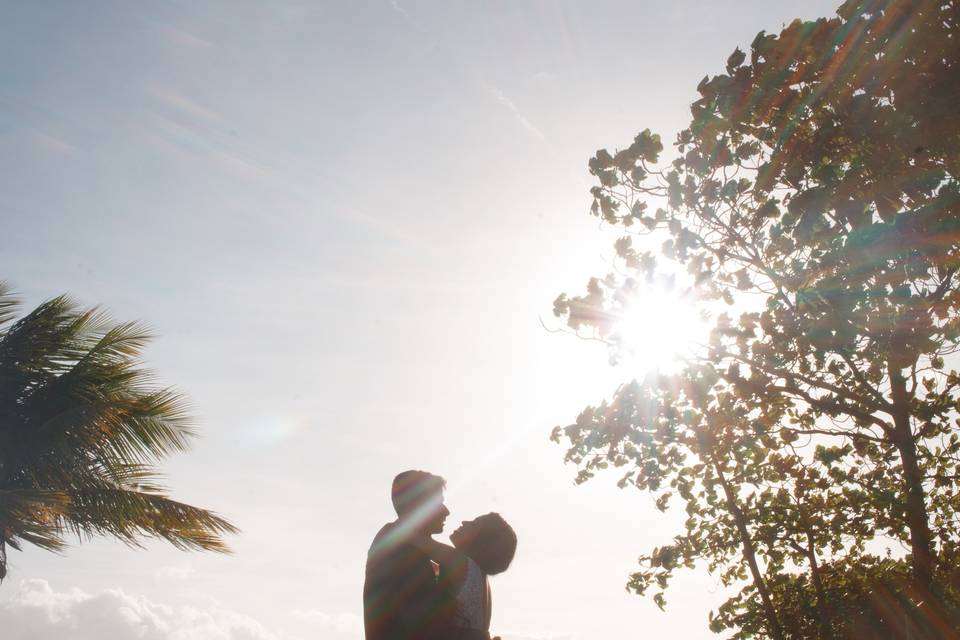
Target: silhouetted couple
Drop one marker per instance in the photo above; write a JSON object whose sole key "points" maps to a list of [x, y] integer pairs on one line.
{"points": [[417, 588]]}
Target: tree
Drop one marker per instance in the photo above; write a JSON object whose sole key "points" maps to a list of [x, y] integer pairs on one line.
{"points": [[867, 600], [81, 429], [817, 191]]}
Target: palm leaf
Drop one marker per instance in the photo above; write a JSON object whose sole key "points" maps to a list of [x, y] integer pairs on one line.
{"points": [[8, 303], [130, 515], [32, 515], [81, 428]]}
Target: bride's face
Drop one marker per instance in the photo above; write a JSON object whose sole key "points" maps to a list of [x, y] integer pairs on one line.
{"points": [[464, 533]]}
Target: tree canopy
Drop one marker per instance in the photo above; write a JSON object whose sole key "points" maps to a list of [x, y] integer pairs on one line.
{"points": [[816, 196], [81, 429]]}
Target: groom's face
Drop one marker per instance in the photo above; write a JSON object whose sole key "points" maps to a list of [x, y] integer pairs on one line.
{"points": [[427, 515], [435, 515]]}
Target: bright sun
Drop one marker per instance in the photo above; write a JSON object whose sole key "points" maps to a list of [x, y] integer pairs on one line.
{"points": [[656, 328]]}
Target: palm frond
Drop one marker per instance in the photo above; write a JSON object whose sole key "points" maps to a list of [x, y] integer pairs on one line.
{"points": [[39, 347], [81, 426], [44, 338], [130, 515], [32, 515], [8, 303], [120, 343]]}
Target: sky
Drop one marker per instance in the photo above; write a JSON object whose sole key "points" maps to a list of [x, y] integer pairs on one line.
{"points": [[346, 223]]}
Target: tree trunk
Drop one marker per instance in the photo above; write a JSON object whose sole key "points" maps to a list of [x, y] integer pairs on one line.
{"points": [[823, 609], [749, 552], [921, 540]]}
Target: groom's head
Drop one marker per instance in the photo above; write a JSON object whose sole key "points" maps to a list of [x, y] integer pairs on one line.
{"points": [[418, 498]]}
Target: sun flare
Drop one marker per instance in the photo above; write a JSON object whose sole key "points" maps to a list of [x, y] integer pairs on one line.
{"points": [[656, 329]]}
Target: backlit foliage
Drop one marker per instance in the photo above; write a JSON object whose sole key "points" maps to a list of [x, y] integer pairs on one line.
{"points": [[816, 187]]}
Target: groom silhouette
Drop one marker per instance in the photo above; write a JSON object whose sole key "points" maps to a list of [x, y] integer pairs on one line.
{"points": [[401, 597]]}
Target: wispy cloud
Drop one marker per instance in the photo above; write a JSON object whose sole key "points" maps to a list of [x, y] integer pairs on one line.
{"points": [[184, 38], [176, 99], [396, 7], [306, 189], [51, 143], [503, 99], [497, 93]]}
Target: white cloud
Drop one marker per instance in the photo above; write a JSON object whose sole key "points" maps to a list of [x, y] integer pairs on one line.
{"points": [[37, 612]]}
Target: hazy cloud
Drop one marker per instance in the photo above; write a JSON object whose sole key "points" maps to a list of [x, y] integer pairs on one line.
{"points": [[175, 572], [347, 623]]}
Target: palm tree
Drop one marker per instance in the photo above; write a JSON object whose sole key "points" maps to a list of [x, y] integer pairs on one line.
{"points": [[81, 429]]}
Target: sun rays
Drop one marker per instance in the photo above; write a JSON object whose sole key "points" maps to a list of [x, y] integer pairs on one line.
{"points": [[655, 329]]}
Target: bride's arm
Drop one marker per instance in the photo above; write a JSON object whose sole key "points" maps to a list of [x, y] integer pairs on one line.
{"points": [[442, 554], [452, 562]]}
